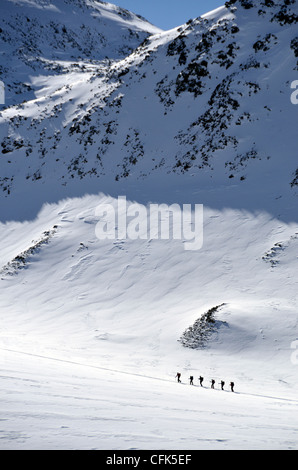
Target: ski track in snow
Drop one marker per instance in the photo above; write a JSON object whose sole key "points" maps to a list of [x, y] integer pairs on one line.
{"points": [[118, 371], [67, 406], [93, 365]]}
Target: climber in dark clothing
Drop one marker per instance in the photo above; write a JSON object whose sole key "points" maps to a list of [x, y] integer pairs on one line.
{"points": [[191, 380], [232, 386], [222, 384], [201, 380], [178, 377], [212, 383]]}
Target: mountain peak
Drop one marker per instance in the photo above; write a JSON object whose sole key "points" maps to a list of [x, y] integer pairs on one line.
{"points": [[282, 10], [41, 37]]}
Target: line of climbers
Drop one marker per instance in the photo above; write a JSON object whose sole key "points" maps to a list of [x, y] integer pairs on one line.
{"points": [[201, 379]]}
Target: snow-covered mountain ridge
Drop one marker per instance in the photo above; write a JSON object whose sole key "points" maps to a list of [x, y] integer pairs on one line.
{"points": [[205, 99], [94, 331], [53, 37]]}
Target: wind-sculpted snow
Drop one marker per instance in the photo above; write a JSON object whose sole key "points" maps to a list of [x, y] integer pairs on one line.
{"points": [[21, 260], [98, 313], [90, 336]]}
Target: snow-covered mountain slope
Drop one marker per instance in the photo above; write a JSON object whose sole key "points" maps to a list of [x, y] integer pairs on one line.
{"points": [[48, 38], [210, 99], [90, 335], [94, 331]]}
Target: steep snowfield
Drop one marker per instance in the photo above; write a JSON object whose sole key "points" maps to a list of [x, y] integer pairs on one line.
{"points": [[91, 329]]}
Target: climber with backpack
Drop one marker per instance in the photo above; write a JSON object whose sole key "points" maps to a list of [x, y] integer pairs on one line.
{"points": [[178, 377]]}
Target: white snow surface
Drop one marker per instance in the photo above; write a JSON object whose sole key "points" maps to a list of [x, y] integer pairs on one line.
{"points": [[89, 332], [90, 329]]}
